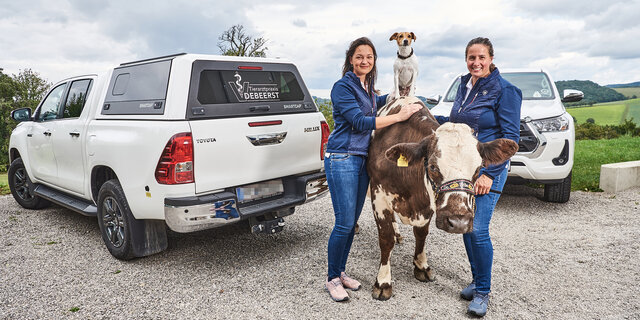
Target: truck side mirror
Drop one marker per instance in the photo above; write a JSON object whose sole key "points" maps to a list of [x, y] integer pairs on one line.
{"points": [[570, 95], [22, 114], [434, 99]]}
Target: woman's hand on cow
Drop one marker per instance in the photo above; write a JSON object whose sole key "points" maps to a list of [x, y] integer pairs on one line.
{"points": [[483, 185], [407, 111]]}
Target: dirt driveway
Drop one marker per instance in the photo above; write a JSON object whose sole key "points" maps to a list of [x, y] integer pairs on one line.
{"points": [[571, 261]]}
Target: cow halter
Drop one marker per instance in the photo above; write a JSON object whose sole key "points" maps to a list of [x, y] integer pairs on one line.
{"points": [[463, 185]]}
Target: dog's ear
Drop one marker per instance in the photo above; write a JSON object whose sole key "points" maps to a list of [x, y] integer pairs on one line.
{"points": [[394, 36], [413, 36]]}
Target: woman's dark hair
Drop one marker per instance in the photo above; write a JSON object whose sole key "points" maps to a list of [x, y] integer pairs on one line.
{"points": [[485, 42], [370, 78]]}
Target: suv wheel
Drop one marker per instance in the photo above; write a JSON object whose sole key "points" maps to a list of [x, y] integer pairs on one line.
{"points": [[114, 219], [22, 188], [558, 192], [125, 236]]}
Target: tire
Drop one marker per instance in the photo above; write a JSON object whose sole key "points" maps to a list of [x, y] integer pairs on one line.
{"points": [[22, 187], [558, 192], [125, 236]]}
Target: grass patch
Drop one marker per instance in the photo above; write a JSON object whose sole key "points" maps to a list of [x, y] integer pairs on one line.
{"points": [[608, 113], [634, 110], [602, 114], [4, 184], [591, 154]]}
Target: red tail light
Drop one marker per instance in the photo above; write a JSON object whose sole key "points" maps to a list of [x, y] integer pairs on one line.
{"points": [[176, 162], [249, 68], [325, 138]]}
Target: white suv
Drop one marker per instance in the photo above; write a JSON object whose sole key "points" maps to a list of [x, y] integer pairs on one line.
{"points": [[547, 134]]}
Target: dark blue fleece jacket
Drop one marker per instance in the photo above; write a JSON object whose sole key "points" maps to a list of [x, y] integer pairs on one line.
{"points": [[354, 118], [492, 110]]}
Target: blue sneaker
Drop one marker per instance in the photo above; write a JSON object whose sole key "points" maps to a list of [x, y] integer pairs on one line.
{"points": [[467, 293], [479, 304]]}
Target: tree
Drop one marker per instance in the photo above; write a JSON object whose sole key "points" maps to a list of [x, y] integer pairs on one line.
{"points": [[235, 42], [18, 91], [30, 89]]}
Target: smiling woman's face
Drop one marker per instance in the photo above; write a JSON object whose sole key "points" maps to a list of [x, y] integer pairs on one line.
{"points": [[478, 61], [362, 60]]}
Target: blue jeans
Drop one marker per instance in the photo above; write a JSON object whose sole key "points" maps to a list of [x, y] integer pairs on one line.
{"points": [[348, 182], [478, 242]]}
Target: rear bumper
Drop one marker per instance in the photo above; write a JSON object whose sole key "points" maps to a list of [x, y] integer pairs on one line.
{"points": [[195, 213]]}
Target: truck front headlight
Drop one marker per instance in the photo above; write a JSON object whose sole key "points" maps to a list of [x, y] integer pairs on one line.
{"points": [[552, 124]]}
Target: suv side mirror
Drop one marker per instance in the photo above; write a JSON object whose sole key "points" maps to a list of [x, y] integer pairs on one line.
{"points": [[22, 114], [434, 99], [570, 95]]}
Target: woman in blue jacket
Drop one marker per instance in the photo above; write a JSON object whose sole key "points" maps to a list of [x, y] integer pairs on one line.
{"points": [[354, 108], [491, 106]]}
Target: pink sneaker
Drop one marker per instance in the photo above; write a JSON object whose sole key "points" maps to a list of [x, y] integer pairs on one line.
{"points": [[336, 290], [349, 283]]}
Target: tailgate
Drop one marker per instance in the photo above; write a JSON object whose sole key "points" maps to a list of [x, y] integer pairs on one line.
{"points": [[230, 152]]}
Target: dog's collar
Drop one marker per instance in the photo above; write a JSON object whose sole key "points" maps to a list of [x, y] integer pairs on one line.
{"points": [[407, 57]]}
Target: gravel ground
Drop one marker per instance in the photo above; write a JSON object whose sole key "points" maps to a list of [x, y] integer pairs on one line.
{"points": [[552, 261]]}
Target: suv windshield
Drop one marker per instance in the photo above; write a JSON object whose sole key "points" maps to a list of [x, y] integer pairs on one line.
{"points": [[534, 86]]}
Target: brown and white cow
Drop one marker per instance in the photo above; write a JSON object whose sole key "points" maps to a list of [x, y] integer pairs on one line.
{"points": [[418, 168]]}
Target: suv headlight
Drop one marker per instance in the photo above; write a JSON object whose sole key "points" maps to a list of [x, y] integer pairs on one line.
{"points": [[552, 124]]}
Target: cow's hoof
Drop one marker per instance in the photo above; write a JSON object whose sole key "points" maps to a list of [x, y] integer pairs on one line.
{"points": [[424, 275], [381, 292], [398, 238]]}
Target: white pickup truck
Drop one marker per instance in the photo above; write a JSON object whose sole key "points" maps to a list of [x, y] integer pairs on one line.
{"points": [[186, 141], [547, 133]]}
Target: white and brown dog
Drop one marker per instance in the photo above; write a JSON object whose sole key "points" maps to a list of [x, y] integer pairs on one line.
{"points": [[405, 68]]}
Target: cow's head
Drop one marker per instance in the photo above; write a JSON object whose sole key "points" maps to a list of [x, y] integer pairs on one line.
{"points": [[452, 158]]}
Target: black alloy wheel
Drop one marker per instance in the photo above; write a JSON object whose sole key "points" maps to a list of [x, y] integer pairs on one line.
{"points": [[114, 222], [22, 187]]}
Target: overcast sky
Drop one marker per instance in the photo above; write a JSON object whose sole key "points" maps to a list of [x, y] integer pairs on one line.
{"points": [[572, 39]]}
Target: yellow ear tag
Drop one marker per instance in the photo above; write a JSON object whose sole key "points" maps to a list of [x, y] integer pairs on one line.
{"points": [[402, 161]]}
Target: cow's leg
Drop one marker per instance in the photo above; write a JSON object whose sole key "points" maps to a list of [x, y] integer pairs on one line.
{"points": [[386, 238], [421, 269], [397, 235]]}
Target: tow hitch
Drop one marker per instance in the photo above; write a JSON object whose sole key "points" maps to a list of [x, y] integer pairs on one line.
{"points": [[267, 226]]}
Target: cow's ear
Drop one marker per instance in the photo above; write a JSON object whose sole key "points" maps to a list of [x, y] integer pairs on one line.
{"points": [[412, 152], [497, 151], [394, 36]]}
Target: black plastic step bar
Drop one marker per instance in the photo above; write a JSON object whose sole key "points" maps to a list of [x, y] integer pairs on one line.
{"points": [[81, 206]]}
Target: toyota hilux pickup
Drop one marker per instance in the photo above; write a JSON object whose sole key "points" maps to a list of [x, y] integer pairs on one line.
{"points": [[188, 142], [547, 133]]}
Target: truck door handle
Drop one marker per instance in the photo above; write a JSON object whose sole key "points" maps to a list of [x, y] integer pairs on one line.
{"points": [[259, 108], [74, 134], [47, 133]]}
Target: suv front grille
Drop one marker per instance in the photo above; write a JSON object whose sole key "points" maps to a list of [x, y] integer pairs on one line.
{"points": [[528, 141]]}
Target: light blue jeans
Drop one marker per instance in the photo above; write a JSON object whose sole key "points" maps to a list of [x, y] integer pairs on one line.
{"points": [[478, 242], [348, 182]]}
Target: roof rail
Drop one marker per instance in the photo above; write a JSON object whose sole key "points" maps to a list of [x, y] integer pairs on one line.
{"points": [[156, 58]]}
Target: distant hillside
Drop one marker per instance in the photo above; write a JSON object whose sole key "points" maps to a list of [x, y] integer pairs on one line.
{"points": [[593, 92], [624, 85], [629, 92]]}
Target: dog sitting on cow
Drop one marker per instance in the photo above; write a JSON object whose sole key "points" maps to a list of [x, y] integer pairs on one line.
{"points": [[418, 168], [405, 67]]}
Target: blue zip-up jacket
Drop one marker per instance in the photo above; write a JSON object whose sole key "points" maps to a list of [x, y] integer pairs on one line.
{"points": [[492, 110], [354, 117]]}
